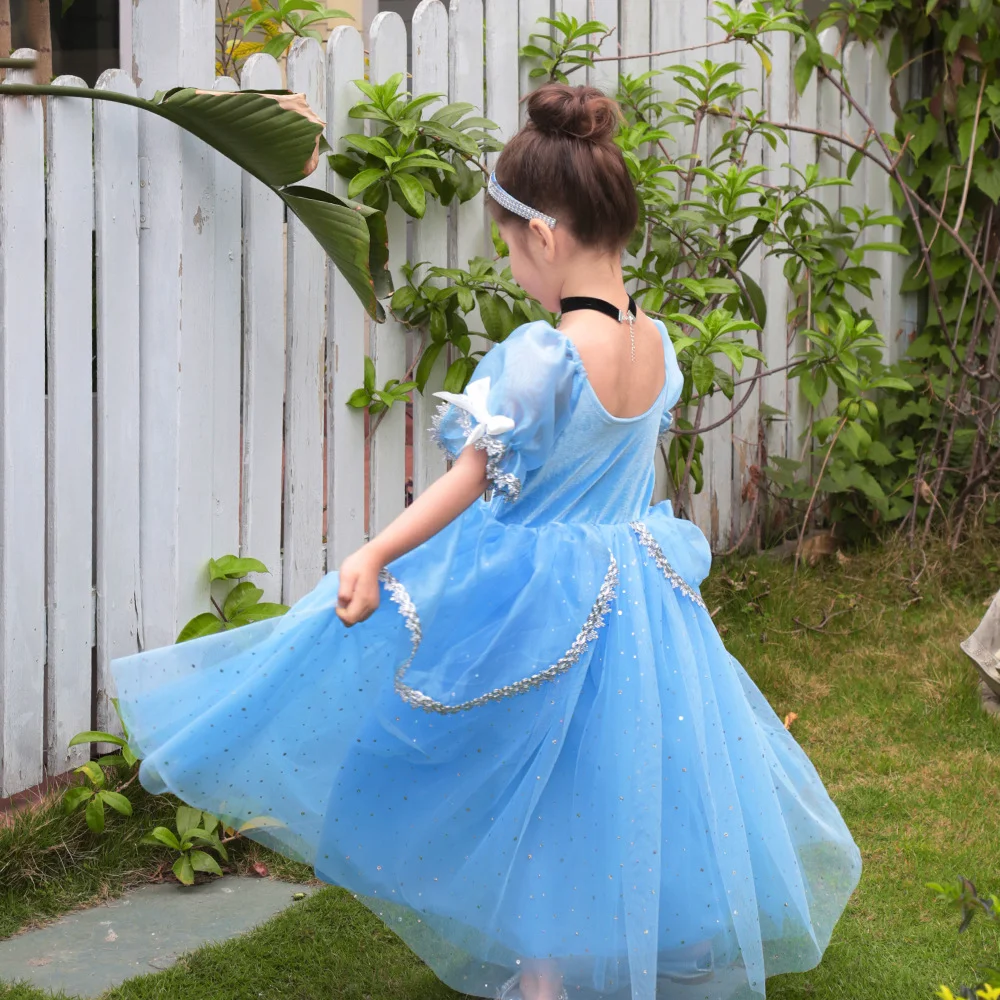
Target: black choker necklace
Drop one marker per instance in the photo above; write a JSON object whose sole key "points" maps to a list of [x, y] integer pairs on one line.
{"points": [[575, 302]]}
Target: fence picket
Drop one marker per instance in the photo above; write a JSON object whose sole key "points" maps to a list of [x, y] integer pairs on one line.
{"points": [[854, 127], [263, 357], [888, 308], [69, 456], [803, 149], [775, 389], [529, 11], [304, 398], [716, 504], [604, 74], [177, 246], [22, 436], [746, 422], [430, 234], [634, 27], [226, 361], [388, 339], [345, 350], [116, 147]]}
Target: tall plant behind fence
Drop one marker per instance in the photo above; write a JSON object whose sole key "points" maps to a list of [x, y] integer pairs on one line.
{"points": [[204, 409]]}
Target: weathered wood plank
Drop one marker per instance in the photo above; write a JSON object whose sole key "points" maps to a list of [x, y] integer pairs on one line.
{"points": [[430, 234], [69, 456], [117, 222], [346, 322], [22, 437], [304, 396], [263, 358], [388, 339]]}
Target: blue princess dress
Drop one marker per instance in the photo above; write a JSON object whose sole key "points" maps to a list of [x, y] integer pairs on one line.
{"points": [[538, 746]]}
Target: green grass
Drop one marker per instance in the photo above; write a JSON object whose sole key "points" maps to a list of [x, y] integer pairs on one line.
{"points": [[886, 707]]}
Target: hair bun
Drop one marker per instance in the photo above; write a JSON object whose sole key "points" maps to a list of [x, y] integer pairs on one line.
{"points": [[579, 112]]}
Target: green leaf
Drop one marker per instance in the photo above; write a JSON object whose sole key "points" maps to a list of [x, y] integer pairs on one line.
{"points": [[427, 361], [359, 399], [986, 174], [201, 625], [202, 862], [184, 870], [854, 162], [355, 238], [188, 819], [241, 598], [233, 568], [93, 771], [413, 194], [162, 835], [117, 801], [95, 736], [95, 814], [363, 180], [259, 613], [804, 67], [275, 136], [879, 454], [278, 45], [75, 797], [702, 373], [758, 300]]}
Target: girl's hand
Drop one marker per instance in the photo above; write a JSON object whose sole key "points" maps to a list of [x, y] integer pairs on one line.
{"points": [[359, 591]]}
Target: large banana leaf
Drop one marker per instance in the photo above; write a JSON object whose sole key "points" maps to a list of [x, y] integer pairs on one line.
{"points": [[347, 229], [273, 135], [276, 137]]}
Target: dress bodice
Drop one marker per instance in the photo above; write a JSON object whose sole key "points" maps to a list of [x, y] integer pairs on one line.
{"points": [[555, 452]]}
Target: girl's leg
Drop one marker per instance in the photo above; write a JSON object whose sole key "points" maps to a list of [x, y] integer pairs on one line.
{"points": [[541, 980]]}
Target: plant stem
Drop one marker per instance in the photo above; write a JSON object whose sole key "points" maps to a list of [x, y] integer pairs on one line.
{"points": [[815, 492]]}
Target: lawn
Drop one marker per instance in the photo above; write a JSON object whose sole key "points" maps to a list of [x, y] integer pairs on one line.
{"points": [[864, 652]]}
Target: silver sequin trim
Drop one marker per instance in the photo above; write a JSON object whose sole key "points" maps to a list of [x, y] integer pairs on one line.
{"points": [[505, 484], [673, 577], [512, 204], [417, 699]]}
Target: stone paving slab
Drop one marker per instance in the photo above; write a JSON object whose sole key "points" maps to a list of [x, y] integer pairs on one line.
{"points": [[89, 951]]}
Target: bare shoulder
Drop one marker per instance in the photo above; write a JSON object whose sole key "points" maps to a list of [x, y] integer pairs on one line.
{"points": [[624, 387]]}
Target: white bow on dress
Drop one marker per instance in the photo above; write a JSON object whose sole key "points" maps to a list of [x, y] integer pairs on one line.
{"points": [[475, 402]]}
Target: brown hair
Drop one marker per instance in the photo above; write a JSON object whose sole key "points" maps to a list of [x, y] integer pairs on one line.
{"points": [[565, 163]]}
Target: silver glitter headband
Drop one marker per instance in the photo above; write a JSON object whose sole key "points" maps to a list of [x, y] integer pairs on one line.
{"points": [[511, 203]]}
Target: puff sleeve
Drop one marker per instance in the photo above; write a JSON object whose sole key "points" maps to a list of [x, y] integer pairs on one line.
{"points": [[674, 380], [513, 408]]}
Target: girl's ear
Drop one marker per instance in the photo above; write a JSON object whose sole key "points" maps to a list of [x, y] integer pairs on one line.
{"points": [[542, 240]]}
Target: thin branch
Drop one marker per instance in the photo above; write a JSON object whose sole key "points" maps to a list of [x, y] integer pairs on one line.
{"points": [[663, 52], [972, 151], [812, 499]]}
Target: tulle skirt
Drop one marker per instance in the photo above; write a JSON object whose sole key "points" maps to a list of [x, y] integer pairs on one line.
{"points": [[537, 748]]}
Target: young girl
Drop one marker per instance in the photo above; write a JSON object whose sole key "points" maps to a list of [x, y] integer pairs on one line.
{"points": [[533, 756]]}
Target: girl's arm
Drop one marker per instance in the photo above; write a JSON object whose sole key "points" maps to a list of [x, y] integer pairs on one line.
{"points": [[438, 506]]}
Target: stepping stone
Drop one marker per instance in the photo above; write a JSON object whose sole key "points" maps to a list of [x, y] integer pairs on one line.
{"points": [[89, 951]]}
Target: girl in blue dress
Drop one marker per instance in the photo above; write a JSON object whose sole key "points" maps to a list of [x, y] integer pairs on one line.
{"points": [[509, 726]]}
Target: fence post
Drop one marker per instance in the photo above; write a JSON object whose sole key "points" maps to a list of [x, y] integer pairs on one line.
{"points": [[118, 515], [173, 44], [388, 339], [69, 455], [304, 402], [22, 436], [430, 234], [263, 357], [226, 351], [345, 330]]}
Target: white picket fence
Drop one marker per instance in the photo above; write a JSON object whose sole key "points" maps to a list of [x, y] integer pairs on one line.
{"points": [[204, 411]]}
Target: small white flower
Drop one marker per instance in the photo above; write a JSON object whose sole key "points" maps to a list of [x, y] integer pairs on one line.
{"points": [[475, 402]]}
